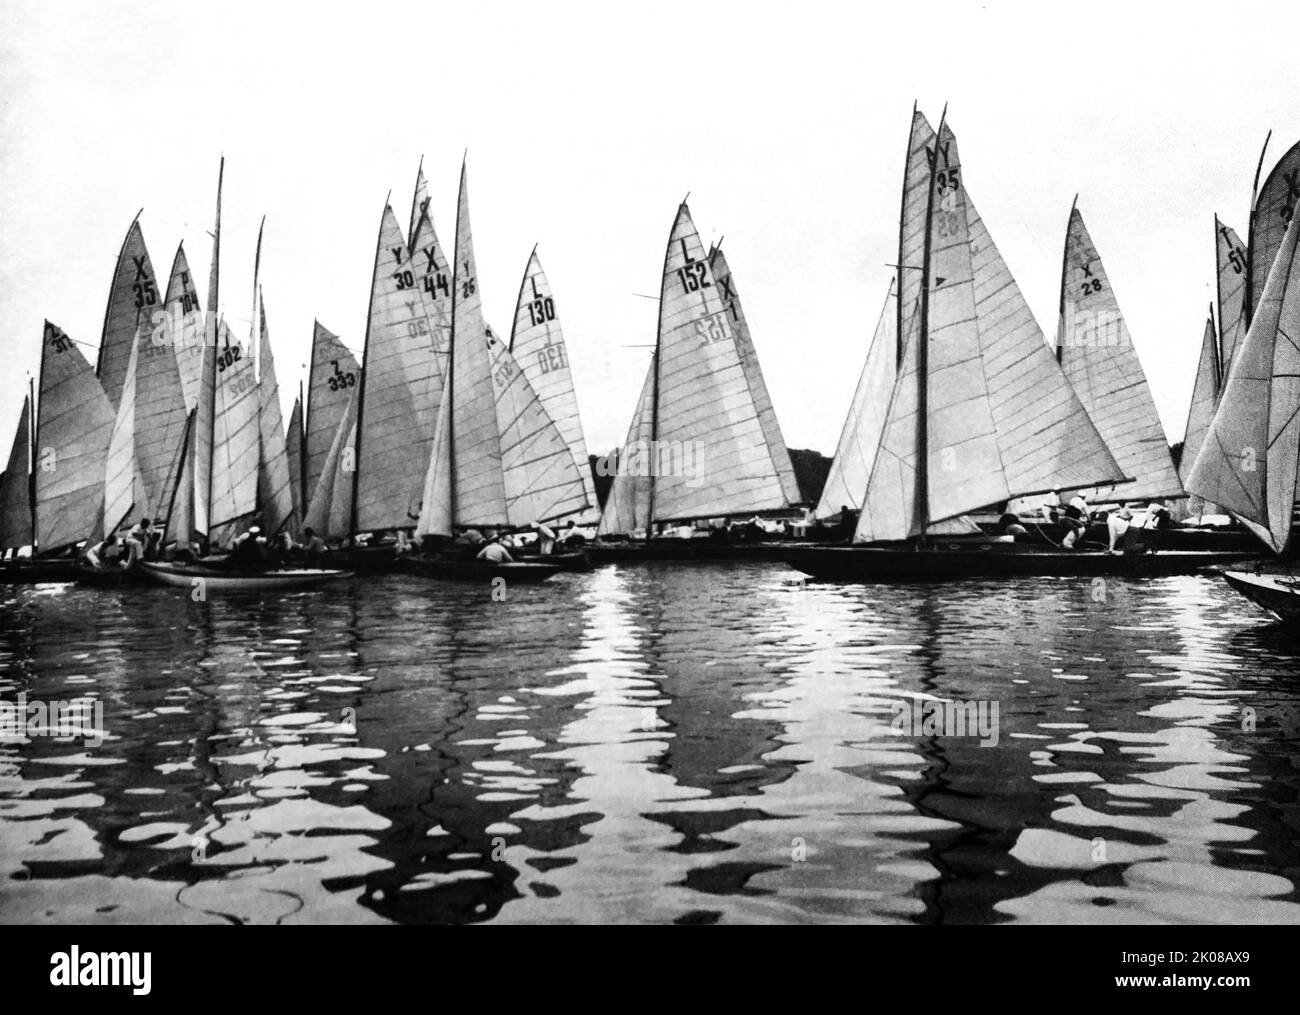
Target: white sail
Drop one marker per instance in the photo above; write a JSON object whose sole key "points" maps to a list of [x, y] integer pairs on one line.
{"points": [[1248, 461], [627, 504], [754, 377], [1205, 398], [181, 325], [436, 500], [1274, 208], [179, 516], [73, 429], [331, 384], [1232, 259], [433, 275], [539, 474], [419, 203], [234, 433], [293, 440], [707, 454], [123, 488], [274, 486], [396, 413], [132, 300], [478, 487], [911, 229], [329, 505], [1098, 357], [538, 346], [1047, 440], [15, 487], [855, 452]]}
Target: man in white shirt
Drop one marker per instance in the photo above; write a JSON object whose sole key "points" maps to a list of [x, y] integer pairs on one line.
{"points": [[495, 553]]}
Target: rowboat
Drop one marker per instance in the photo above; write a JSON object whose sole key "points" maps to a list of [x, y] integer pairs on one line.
{"points": [[225, 579], [451, 569]]}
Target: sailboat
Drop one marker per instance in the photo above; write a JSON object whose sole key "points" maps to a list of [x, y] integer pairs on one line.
{"points": [[537, 345], [703, 442], [17, 511], [1205, 399], [1248, 461], [498, 460], [979, 413], [235, 468]]}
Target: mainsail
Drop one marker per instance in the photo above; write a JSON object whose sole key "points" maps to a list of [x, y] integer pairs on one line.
{"points": [[396, 411], [182, 323], [15, 487], [132, 300], [537, 345], [274, 486], [706, 454], [73, 428], [1000, 419], [1274, 208], [1248, 461], [294, 448], [1230, 254], [331, 383], [754, 376], [911, 224], [1095, 349], [478, 489], [855, 452], [234, 434]]}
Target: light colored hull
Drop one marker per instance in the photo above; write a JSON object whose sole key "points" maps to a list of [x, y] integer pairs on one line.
{"points": [[221, 580], [1278, 594]]}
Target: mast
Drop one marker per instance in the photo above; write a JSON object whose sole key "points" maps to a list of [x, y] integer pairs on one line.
{"points": [[902, 226], [302, 451], [361, 395], [1248, 307], [31, 449], [1218, 364], [213, 287], [923, 355]]}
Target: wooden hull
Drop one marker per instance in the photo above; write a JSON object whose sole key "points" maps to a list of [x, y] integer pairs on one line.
{"points": [[225, 579], [686, 550], [110, 577], [26, 571], [567, 561], [477, 570], [1278, 594], [949, 562]]}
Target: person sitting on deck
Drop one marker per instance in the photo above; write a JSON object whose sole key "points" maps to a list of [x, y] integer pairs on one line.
{"points": [[106, 553], [313, 547], [249, 549], [572, 537], [1075, 517], [133, 544], [1009, 523], [1130, 534], [494, 553], [546, 538], [282, 547]]}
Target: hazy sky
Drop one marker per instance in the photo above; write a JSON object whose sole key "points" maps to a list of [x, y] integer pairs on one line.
{"points": [[586, 124]]}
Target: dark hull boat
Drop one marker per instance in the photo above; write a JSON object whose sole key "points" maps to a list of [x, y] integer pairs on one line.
{"points": [[1278, 594], [569, 560], [948, 562], [109, 576], [1205, 538], [26, 571], [686, 550], [228, 579], [450, 569]]}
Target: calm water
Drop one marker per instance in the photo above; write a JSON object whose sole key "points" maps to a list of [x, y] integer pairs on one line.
{"points": [[671, 744]]}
